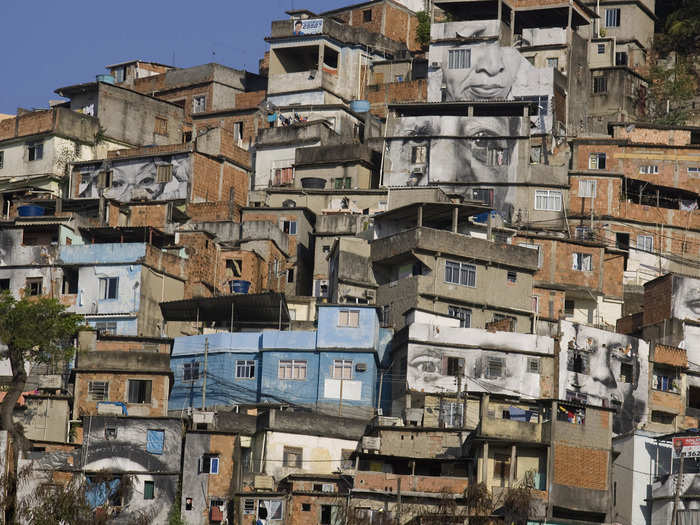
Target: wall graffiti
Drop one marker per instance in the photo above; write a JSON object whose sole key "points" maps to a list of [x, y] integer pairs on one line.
{"points": [[686, 306], [605, 369], [473, 155], [139, 179], [435, 369]]}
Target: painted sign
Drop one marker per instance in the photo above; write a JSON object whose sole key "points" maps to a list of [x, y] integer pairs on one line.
{"points": [[312, 26], [688, 447]]}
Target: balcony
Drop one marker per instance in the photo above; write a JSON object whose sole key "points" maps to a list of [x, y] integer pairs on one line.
{"points": [[383, 482], [107, 253]]}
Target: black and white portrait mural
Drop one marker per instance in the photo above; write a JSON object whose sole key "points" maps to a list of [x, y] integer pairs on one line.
{"points": [[493, 365], [605, 369], [144, 179], [686, 307], [469, 154], [472, 65]]}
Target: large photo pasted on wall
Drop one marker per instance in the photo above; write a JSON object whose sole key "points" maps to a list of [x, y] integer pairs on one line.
{"points": [[479, 68], [686, 306], [473, 155], [138, 179], [434, 369], [605, 369]]}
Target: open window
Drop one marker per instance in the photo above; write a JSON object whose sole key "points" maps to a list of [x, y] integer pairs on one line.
{"points": [[285, 60], [330, 58]]}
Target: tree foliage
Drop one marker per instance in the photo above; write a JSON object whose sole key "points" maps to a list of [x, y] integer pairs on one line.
{"points": [[423, 28], [670, 91], [681, 29]]}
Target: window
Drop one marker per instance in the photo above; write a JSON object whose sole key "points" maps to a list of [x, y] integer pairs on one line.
{"points": [[601, 49], [600, 85], [547, 200], [161, 127], [139, 391], [199, 103], [512, 277], [494, 367], [484, 195], [190, 371], [110, 432], [612, 17], [342, 183], [209, 464], [569, 306], [106, 327], [501, 469], [459, 59], [329, 514], [664, 379], [155, 441], [367, 15], [342, 369], [649, 169], [2, 159], [583, 233], [108, 287], [463, 314], [495, 155], [270, 510], [596, 161], [626, 373], [620, 58], [290, 275], [553, 62], [292, 369], [326, 248], [587, 188], [148, 490], [693, 397], [533, 365], [4, 285], [238, 131], [535, 153], [501, 317], [34, 286], [694, 170], [582, 262], [460, 273], [289, 227], [349, 318], [104, 179], [645, 243], [455, 366], [293, 457], [419, 154], [164, 173], [578, 362], [235, 266], [665, 418], [98, 390], [248, 507], [119, 74], [35, 150], [245, 369]]}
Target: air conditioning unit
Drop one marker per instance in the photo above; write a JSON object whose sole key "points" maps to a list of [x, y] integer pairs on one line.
{"points": [[370, 294], [371, 443]]}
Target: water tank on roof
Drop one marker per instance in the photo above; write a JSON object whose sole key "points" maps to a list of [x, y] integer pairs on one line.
{"points": [[30, 210], [107, 79]]}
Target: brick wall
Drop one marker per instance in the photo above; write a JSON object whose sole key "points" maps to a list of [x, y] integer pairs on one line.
{"points": [[251, 123], [168, 149], [27, 124], [154, 215], [250, 99], [118, 392], [657, 300], [382, 94], [253, 268], [679, 137], [201, 252], [106, 345], [580, 467], [381, 481]]}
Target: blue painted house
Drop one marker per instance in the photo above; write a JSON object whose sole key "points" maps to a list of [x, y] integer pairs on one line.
{"points": [[331, 369]]}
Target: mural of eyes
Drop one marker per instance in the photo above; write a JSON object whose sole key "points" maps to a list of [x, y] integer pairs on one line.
{"points": [[692, 301], [428, 365], [117, 184]]}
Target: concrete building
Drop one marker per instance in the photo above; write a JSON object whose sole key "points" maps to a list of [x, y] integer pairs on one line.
{"points": [[126, 116], [121, 375], [331, 369], [422, 262]]}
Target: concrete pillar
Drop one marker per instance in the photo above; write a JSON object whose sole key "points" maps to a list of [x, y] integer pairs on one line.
{"points": [[420, 216], [455, 219], [513, 459], [485, 462]]}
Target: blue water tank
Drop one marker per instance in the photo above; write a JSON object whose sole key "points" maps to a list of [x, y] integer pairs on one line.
{"points": [[30, 210], [239, 286], [107, 79], [359, 106]]}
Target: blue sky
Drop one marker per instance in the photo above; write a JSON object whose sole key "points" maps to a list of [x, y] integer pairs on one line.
{"points": [[47, 44]]}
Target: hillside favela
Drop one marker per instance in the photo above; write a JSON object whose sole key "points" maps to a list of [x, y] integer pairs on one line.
{"points": [[429, 262]]}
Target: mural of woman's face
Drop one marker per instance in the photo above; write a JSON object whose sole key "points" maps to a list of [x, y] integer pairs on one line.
{"points": [[135, 185], [491, 75], [686, 298]]}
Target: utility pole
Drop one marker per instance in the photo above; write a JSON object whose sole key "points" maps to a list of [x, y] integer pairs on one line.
{"points": [[204, 378], [677, 494]]}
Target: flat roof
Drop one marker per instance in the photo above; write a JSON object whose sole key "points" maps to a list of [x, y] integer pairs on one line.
{"points": [[251, 310], [136, 61], [433, 211]]}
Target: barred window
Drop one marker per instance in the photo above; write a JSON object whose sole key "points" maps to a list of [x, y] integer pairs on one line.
{"points": [[459, 59], [460, 273], [98, 390], [548, 200]]}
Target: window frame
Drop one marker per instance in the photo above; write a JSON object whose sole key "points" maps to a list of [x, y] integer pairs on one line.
{"points": [[549, 200], [645, 243], [463, 272], [149, 483], [612, 17], [491, 361], [553, 62], [344, 365], [600, 85], [649, 169], [34, 286], [594, 161], [291, 366], [243, 365], [207, 462], [289, 226], [578, 262], [155, 432], [463, 314], [161, 126], [297, 452], [193, 373], [587, 188], [199, 104], [164, 173], [35, 151], [349, 316], [147, 392], [459, 58], [107, 287], [91, 391]]}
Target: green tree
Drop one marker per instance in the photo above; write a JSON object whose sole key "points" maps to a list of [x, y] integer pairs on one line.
{"points": [[681, 29], [670, 91], [35, 330], [423, 28]]}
